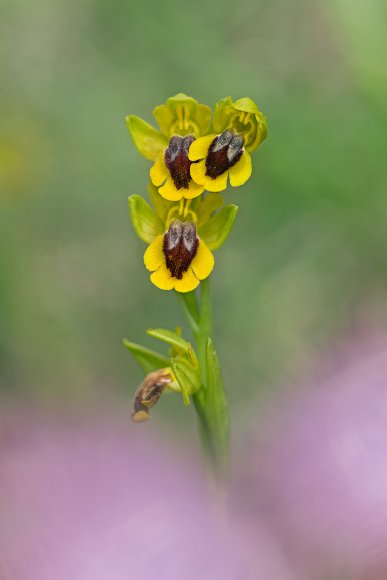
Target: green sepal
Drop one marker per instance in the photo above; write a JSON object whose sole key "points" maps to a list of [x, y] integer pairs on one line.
{"points": [[149, 141], [161, 205], [149, 360], [221, 108], [172, 338], [146, 222], [223, 115], [182, 115], [206, 206], [216, 230], [246, 105], [187, 376]]}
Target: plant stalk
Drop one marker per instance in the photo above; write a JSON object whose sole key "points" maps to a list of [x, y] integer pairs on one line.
{"points": [[210, 401]]}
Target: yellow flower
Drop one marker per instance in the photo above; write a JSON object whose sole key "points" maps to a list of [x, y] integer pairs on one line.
{"points": [[171, 171], [218, 157], [243, 117], [181, 237], [178, 259]]}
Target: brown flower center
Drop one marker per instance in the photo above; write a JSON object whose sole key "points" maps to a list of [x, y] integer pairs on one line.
{"points": [[176, 159], [224, 152], [179, 247]]}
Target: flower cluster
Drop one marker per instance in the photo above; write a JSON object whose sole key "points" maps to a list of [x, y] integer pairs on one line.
{"points": [[195, 153]]}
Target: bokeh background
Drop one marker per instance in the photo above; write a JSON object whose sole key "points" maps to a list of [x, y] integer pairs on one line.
{"points": [[306, 263]]}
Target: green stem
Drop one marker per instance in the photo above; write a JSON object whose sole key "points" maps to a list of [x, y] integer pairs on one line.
{"points": [[210, 401], [204, 329], [189, 304]]}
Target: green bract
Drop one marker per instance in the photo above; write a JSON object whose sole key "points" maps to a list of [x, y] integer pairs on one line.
{"points": [[243, 117], [171, 338], [187, 376], [149, 360]]}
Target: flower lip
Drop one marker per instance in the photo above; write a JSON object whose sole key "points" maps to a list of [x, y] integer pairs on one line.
{"points": [[180, 245], [199, 268], [176, 160], [224, 152]]}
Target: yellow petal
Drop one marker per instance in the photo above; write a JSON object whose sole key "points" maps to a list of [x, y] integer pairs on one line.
{"points": [[199, 148], [187, 283], [193, 190], [162, 278], [169, 191], [198, 172], [241, 171], [203, 262], [154, 257], [159, 171], [217, 184]]}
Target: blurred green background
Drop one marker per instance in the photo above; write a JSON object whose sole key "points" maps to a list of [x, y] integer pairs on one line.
{"points": [[306, 261]]}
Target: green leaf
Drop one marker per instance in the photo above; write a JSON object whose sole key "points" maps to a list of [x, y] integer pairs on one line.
{"points": [[171, 338], [214, 380], [216, 407], [216, 230], [146, 222], [149, 360], [206, 207], [149, 141], [187, 377]]}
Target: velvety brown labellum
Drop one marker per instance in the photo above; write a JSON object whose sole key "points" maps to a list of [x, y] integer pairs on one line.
{"points": [[176, 159], [148, 393], [180, 246], [224, 152]]}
